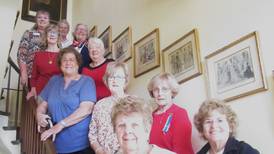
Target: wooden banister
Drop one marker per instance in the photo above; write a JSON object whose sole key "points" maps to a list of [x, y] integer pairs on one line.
{"points": [[30, 137]]}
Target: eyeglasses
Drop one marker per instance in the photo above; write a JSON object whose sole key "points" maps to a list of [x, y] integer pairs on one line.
{"points": [[53, 33], [162, 89], [116, 77]]}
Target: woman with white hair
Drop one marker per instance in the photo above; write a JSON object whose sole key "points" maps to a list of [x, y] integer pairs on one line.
{"points": [[171, 127], [80, 36], [97, 68], [101, 136]]}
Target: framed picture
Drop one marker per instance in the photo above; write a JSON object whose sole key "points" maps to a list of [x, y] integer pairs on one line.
{"points": [[182, 58], [109, 56], [147, 53], [56, 8], [93, 31], [122, 45], [106, 38], [236, 70]]}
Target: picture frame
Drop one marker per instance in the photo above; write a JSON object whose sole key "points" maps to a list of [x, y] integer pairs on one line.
{"points": [[56, 8], [122, 45], [146, 53], [93, 31], [106, 38], [182, 58], [236, 70]]}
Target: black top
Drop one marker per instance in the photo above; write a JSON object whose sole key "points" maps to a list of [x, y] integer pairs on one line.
{"points": [[232, 146]]}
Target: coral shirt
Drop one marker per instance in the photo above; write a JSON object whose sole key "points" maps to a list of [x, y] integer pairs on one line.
{"points": [[97, 73], [176, 136], [44, 67]]}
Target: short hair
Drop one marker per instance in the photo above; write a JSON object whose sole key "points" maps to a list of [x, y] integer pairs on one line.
{"points": [[112, 68], [64, 21], [66, 51], [208, 107], [169, 78], [97, 41], [132, 104], [50, 28], [38, 13], [80, 24]]}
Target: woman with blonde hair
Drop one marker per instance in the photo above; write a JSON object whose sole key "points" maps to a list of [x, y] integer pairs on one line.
{"points": [[171, 127], [101, 136], [30, 43], [45, 61], [217, 124]]}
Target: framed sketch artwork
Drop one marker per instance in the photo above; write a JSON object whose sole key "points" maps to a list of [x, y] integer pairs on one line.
{"points": [[182, 58], [122, 45], [106, 38], [236, 70], [93, 31], [147, 53], [56, 8]]}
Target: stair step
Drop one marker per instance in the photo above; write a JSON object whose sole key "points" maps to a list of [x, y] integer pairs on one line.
{"points": [[6, 137]]}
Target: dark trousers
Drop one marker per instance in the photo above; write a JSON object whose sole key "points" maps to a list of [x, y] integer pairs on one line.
{"points": [[84, 151]]}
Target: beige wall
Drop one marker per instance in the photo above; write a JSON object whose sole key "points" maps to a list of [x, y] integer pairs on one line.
{"points": [[219, 22], [7, 9]]}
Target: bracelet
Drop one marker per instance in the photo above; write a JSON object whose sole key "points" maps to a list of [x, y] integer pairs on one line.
{"points": [[63, 123]]}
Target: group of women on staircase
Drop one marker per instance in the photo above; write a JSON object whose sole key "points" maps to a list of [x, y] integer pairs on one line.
{"points": [[85, 96]]}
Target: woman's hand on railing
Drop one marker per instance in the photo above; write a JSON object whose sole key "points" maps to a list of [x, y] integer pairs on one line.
{"points": [[52, 131], [31, 93], [42, 120], [24, 78]]}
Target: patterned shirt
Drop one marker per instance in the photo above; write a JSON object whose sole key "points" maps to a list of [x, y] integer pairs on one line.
{"points": [[101, 129], [29, 44]]}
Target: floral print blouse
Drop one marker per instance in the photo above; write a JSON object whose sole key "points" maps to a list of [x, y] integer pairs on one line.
{"points": [[29, 44], [101, 129]]}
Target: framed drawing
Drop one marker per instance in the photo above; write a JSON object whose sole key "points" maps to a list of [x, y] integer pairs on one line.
{"points": [[109, 56], [182, 58], [236, 70], [93, 31], [122, 45], [147, 53], [106, 38], [56, 8]]}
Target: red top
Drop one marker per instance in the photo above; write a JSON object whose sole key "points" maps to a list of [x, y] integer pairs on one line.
{"points": [[44, 67], [97, 73], [176, 136]]}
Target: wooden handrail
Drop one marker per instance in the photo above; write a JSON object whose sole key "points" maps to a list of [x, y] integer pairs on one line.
{"points": [[30, 137], [13, 65]]}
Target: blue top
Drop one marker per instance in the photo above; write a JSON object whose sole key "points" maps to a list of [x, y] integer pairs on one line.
{"points": [[62, 103]]}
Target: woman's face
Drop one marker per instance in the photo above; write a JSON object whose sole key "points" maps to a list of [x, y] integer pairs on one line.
{"points": [[42, 20], [96, 50], [63, 29], [131, 133], [80, 33], [216, 127], [117, 81], [69, 65], [52, 37], [162, 93]]}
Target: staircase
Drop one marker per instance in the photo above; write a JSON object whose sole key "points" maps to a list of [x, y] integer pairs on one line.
{"points": [[6, 136]]}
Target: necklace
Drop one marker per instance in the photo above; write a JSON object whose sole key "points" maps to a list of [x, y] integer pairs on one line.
{"points": [[51, 57]]}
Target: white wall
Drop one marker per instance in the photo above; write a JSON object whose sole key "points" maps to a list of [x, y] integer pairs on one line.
{"points": [[7, 9], [219, 22]]}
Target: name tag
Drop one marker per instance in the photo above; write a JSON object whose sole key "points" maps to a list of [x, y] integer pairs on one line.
{"points": [[36, 34]]}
